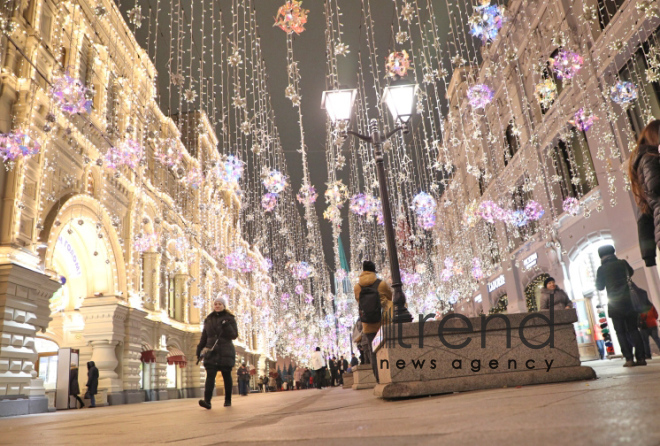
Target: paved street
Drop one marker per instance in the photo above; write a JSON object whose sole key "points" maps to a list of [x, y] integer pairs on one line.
{"points": [[621, 407]]}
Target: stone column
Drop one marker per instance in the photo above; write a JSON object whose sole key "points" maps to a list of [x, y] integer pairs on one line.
{"points": [[104, 329], [24, 295], [132, 357], [180, 293], [194, 379], [160, 378], [514, 294]]}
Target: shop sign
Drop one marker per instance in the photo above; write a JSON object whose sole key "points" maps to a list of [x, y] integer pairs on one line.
{"points": [[530, 261], [495, 284]]}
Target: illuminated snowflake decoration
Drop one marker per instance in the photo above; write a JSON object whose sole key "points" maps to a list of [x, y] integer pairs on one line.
{"points": [[146, 242], [362, 204], [566, 64], [269, 202], [238, 260], [232, 169], [534, 211], [169, 152], [301, 270], [489, 211], [571, 205], [486, 21], [128, 153], [476, 271], [336, 194], [274, 181], [479, 95], [340, 275], [333, 214], [291, 17], [623, 92], [397, 64], [410, 279], [299, 289], [307, 195], [546, 92], [70, 95], [424, 206], [583, 120], [194, 177], [16, 144], [517, 218]]}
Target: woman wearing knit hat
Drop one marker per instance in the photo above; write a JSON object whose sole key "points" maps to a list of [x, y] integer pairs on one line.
{"points": [[552, 294], [217, 350]]}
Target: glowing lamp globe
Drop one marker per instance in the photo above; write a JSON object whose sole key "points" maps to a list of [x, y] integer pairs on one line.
{"points": [[339, 104], [400, 100]]}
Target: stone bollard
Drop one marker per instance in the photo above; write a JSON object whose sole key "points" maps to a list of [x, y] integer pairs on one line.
{"points": [[363, 377]]}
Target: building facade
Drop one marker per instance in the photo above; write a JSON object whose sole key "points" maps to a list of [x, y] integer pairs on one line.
{"points": [[115, 260], [526, 146]]}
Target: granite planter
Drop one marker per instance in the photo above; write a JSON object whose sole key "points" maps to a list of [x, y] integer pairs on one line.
{"points": [[461, 363]]}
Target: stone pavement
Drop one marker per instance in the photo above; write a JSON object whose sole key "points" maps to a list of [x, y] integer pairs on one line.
{"points": [[621, 407]]}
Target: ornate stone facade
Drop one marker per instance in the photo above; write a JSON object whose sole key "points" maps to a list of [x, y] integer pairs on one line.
{"points": [[138, 251]]}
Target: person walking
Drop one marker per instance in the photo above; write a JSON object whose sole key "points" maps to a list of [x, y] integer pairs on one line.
{"points": [[334, 375], [305, 378], [612, 275], [243, 377], [343, 367], [648, 324], [297, 377], [318, 365], [74, 385], [373, 296], [217, 350], [644, 173], [551, 294], [92, 382]]}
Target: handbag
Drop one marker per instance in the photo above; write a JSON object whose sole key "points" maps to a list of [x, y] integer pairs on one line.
{"points": [[638, 296]]}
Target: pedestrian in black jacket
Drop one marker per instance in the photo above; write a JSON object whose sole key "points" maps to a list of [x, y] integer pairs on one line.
{"points": [[92, 382], [644, 172], [74, 386], [217, 350], [613, 275]]}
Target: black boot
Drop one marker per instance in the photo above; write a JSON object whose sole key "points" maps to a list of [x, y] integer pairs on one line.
{"points": [[227, 403], [205, 404]]}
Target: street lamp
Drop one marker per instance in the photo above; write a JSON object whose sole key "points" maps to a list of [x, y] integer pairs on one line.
{"points": [[400, 100]]}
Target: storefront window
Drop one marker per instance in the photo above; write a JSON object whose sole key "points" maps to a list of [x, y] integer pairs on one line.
{"points": [[171, 376], [48, 371]]}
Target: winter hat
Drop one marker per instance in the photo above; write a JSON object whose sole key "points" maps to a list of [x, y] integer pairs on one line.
{"points": [[222, 300], [606, 250], [547, 281], [368, 265]]}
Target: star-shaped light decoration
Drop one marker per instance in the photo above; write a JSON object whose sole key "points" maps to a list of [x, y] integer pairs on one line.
{"points": [[486, 21], [17, 143], [341, 49], [408, 12], [235, 59], [401, 37], [70, 94], [177, 79], [135, 16], [190, 95], [239, 102]]}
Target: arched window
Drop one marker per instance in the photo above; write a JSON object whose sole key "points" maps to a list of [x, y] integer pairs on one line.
{"points": [[511, 144]]}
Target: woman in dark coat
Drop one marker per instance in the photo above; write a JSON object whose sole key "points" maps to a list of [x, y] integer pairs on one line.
{"points": [[217, 350], [92, 382], [613, 275], [644, 172], [552, 293], [74, 386]]}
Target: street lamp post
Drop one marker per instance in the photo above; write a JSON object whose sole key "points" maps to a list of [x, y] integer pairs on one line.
{"points": [[400, 100]]}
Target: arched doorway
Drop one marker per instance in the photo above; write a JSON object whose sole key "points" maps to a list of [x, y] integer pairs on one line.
{"points": [[584, 264], [533, 292], [84, 251]]}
